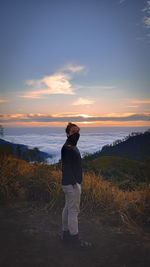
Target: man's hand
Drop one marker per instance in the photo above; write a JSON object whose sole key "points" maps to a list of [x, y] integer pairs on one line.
{"points": [[74, 186]]}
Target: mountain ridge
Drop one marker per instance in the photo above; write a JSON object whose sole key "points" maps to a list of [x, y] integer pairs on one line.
{"points": [[135, 146], [124, 163], [22, 151]]}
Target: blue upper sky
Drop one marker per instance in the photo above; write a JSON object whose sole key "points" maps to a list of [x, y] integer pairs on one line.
{"points": [[75, 57]]}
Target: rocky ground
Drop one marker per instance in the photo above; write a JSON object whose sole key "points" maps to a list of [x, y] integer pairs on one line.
{"points": [[30, 236]]}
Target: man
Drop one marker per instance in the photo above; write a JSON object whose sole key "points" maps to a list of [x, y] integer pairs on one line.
{"points": [[71, 185]]}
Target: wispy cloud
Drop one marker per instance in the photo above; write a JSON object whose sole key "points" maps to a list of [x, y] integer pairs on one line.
{"points": [[132, 106], [3, 100], [83, 101], [97, 87], [74, 118], [146, 10], [147, 21], [55, 84], [121, 1], [73, 68], [61, 83], [144, 101], [58, 83]]}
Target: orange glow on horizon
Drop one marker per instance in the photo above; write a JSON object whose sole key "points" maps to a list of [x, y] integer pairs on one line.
{"points": [[81, 124], [102, 120]]}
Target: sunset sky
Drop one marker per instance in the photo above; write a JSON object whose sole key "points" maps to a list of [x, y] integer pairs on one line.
{"points": [[85, 61]]}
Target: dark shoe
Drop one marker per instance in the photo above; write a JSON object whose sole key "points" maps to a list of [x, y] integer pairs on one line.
{"points": [[75, 241], [66, 236]]}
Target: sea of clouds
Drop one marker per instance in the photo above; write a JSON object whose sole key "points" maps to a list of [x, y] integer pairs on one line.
{"points": [[51, 140]]}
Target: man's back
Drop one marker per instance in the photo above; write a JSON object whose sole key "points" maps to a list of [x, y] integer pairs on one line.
{"points": [[71, 163]]}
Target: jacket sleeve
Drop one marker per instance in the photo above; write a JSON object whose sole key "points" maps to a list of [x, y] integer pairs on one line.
{"points": [[68, 164]]}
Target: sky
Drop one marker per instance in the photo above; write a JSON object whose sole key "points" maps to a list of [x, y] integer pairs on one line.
{"points": [[84, 61]]}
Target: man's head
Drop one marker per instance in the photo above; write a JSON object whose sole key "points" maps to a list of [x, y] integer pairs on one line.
{"points": [[71, 129]]}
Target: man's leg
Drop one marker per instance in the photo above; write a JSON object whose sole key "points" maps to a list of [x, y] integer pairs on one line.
{"points": [[70, 216], [71, 209], [65, 216], [74, 209]]}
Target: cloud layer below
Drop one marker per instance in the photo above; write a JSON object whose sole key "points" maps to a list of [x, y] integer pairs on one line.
{"points": [[51, 141]]}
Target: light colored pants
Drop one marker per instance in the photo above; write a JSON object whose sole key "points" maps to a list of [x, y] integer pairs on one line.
{"points": [[71, 208]]}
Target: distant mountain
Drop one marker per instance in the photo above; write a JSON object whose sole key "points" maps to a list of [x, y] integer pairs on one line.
{"points": [[22, 151], [136, 146]]}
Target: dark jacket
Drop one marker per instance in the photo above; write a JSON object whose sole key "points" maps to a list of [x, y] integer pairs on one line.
{"points": [[71, 161]]}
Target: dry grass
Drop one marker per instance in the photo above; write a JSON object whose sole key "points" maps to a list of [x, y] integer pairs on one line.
{"points": [[22, 180]]}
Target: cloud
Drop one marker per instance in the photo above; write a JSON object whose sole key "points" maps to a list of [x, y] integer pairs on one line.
{"points": [[145, 101], [121, 1], [147, 7], [71, 68], [74, 118], [132, 106], [3, 100], [83, 101], [97, 87], [146, 18], [58, 83], [30, 82], [55, 84], [147, 22], [144, 9]]}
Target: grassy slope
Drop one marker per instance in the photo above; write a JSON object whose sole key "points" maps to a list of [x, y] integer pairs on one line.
{"points": [[22, 180], [125, 163], [121, 171]]}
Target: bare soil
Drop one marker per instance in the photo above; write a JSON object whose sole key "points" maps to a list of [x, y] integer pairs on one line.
{"points": [[30, 236]]}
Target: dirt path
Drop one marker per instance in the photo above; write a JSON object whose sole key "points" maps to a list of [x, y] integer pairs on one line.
{"points": [[29, 236]]}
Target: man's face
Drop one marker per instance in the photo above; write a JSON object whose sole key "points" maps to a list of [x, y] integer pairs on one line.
{"points": [[73, 130]]}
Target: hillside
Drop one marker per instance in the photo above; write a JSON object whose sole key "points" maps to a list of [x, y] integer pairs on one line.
{"points": [[136, 146], [124, 163], [22, 151], [125, 173]]}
